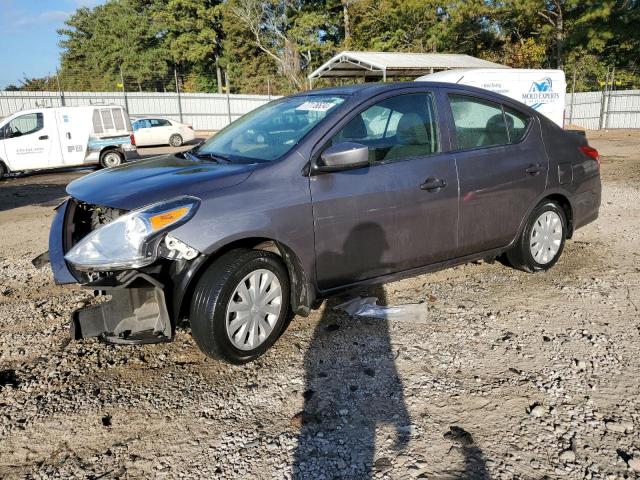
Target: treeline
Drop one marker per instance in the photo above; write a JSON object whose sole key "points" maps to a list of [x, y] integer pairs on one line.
{"points": [[260, 45]]}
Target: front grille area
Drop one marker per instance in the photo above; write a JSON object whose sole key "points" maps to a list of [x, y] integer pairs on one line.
{"points": [[83, 218]]}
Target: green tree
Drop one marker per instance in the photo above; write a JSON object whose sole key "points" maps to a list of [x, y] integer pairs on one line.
{"points": [[98, 42], [190, 32], [272, 45], [47, 83]]}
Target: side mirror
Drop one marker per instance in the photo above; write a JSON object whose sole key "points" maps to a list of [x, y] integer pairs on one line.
{"points": [[343, 156]]}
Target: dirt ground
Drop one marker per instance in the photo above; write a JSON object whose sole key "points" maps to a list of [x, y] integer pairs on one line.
{"points": [[507, 375]]}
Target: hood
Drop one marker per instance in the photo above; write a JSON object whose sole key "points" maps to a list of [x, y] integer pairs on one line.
{"points": [[140, 183]]}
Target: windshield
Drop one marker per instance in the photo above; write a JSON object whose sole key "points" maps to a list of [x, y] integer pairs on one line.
{"points": [[270, 131]]}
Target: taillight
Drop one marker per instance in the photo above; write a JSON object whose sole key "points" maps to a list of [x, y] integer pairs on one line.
{"points": [[132, 139], [591, 152]]}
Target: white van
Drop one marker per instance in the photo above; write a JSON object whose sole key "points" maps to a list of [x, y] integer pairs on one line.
{"points": [[542, 90], [65, 136]]}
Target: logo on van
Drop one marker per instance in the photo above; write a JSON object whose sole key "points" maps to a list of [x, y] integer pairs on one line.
{"points": [[540, 93], [544, 86]]}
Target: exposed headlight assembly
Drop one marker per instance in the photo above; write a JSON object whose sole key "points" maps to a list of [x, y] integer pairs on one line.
{"points": [[131, 241]]}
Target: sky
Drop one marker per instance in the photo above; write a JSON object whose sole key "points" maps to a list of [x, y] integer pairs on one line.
{"points": [[29, 45]]}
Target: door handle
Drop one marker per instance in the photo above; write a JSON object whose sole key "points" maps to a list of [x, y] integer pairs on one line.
{"points": [[43, 137], [533, 170], [433, 184], [69, 135]]}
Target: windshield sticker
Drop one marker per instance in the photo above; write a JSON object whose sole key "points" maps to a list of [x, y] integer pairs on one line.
{"points": [[316, 106]]}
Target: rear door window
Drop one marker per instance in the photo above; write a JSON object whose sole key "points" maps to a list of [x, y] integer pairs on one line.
{"points": [[394, 129], [159, 122], [479, 123]]}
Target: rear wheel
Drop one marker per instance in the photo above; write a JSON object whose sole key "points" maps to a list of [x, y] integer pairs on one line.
{"points": [[240, 305], [3, 170], [541, 243], [111, 158], [175, 140]]}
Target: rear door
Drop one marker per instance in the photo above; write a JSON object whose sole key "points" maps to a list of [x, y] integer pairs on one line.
{"points": [[502, 168], [142, 132], [391, 215], [73, 125], [162, 130], [28, 140]]}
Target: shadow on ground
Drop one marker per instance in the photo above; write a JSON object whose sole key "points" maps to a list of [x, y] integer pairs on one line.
{"points": [[16, 194]]}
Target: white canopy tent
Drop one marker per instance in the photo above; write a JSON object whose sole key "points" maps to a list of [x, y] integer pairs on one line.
{"points": [[383, 64]]}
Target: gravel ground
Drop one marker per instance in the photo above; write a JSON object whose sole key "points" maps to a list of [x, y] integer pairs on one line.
{"points": [[508, 375]]}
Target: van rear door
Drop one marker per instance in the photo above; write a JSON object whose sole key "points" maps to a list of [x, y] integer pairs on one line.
{"points": [[28, 139]]}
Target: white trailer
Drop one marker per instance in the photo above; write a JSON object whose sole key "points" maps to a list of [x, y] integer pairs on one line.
{"points": [[65, 136], [542, 90]]}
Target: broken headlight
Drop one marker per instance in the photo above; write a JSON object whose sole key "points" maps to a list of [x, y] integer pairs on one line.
{"points": [[131, 241]]}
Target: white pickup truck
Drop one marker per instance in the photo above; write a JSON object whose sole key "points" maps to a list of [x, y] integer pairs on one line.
{"points": [[65, 136]]}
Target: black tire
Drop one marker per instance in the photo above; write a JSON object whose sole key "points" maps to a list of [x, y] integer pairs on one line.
{"points": [[176, 140], [520, 255], [111, 158], [3, 170], [213, 293]]}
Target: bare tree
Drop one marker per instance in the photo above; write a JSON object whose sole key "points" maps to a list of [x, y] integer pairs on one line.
{"points": [[268, 28], [554, 15], [346, 20]]}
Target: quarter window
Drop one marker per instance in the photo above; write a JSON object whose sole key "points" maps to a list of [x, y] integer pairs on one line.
{"points": [[517, 123], [394, 129], [25, 125]]}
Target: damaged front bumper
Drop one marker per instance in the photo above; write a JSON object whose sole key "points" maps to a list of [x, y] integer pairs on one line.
{"points": [[135, 314], [137, 311]]}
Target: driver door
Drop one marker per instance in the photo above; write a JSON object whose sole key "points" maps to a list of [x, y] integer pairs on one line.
{"points": [[383, 218], [28, 140]]}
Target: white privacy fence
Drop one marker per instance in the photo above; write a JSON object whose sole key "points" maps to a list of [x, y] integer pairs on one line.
{"points": [[212, 111], [602, 110], [205, 111]]}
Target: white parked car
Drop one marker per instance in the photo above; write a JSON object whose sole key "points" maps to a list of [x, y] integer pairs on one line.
{"points": [[161, 131], [65, 136]]}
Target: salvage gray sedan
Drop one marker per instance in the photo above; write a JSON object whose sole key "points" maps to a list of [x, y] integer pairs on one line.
{"points": [[311, 194]]}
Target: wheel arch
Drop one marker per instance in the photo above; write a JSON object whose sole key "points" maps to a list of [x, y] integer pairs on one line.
{"points": [[110, 148], [302, 292], [558, 196], [564, 202]]}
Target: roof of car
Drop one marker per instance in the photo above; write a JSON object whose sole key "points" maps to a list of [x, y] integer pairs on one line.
{"points": [[378, 87], [371, 89]]}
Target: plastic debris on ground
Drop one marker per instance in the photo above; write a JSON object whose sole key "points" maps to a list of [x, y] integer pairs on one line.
{"points": [[368, 307]]}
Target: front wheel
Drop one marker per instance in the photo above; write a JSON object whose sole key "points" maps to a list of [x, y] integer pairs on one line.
{"points": [[541, 243], [111, 158], [240, 305]]}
